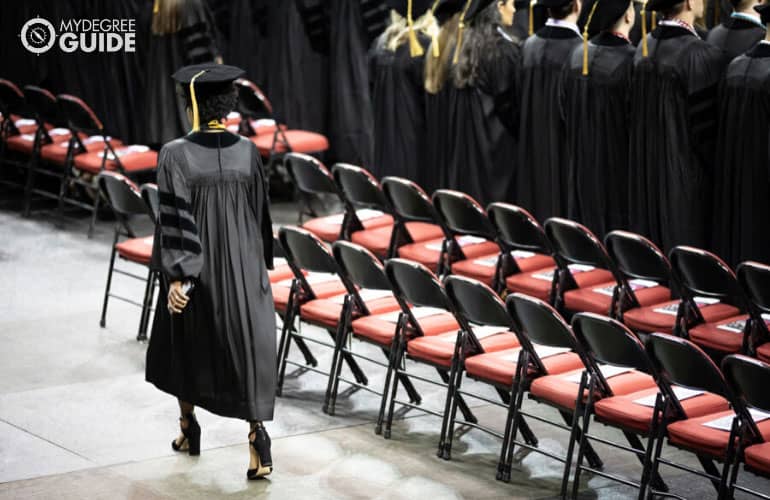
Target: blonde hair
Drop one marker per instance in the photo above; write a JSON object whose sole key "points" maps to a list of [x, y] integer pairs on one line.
{"points": [[437, 68], [166, 16], [397, 33]]}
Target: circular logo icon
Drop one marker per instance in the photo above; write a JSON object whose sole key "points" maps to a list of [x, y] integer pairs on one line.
{"points": [[38, 35]]}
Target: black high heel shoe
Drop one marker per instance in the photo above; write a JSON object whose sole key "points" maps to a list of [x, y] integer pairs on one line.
{"points": [[191, 440], [260, 449]]}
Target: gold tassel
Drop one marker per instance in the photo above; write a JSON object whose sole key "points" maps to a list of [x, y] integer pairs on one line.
{"points": [[644, 29], [415, 49], [717, 11], [654, 20], [532, 17], [585, 38], [196, 120], [156, 7], [460, 29], [434, 39]]}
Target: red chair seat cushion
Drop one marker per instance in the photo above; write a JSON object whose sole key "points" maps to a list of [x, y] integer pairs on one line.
{"points": [[23, 125], [300, 141], [529, 284], [693, 435], [327, 311], [23, 143], [562, 392], [281, 272], [500, 367], [763, 352], [379, 329], [622, 411], [133, 159], [646, 319], [588, 299], [57, 152], [483, 268], [328, 227], [758, 457], [137, 250], [423, 252], [439, 349], [323, 290], [377, 240], [712, 336]]}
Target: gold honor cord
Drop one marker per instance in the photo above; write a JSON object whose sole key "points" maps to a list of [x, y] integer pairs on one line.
{"points": [[644, 29], [196, 119], [434, 39], [415, 49], [585, 38], [460, 30], [532, 17]]}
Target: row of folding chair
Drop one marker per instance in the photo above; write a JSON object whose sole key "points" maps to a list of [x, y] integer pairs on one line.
{"points": [[62, 139]]}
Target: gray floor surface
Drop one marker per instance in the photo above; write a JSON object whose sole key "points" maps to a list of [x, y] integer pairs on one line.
{"points": [[77, 419]]}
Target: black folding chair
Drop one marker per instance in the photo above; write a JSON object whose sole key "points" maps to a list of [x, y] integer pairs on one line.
{"points": [[13, 108], [126, 201], [755, 281]]}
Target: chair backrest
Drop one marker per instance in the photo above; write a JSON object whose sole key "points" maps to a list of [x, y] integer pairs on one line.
{"points": [[636, 257], [576, 244], [478, 304], [252, 102], [79, 116], [748, 379], [608, 341], [123, 195], [703, 274], [755, 280], [310, 175], [359, 187], [151, 198], [517, 229], [461, 214], [413, 283], [677, 361], [360, 265], [43, 105], [408, 200], [11, 98], [538, 322]]}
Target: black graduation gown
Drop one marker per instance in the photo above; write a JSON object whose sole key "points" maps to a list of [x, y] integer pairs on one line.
{"points": [[742, 194], [215, 229], [541, 173], [439, 140], [735, 36], [398, 95], [484, 126], [596, 109], [165, 112], [673, 98]]}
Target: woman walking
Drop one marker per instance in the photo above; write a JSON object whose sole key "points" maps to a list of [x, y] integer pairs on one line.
{"points": [[213, 337]]}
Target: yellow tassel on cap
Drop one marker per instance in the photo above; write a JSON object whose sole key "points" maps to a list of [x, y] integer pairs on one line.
{"points": [[531, 16], [460, 29], [644, 29], [196, 120], [434, 38], [415, 49], [585, 38]]}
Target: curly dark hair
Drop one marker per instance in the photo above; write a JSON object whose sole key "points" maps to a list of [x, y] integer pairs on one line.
{"points": [[561, 12], [213, 106]]}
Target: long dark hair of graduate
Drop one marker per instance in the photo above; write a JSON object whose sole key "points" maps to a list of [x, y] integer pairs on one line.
{"points": [[166, 16], [437, 68], [480, 41]]}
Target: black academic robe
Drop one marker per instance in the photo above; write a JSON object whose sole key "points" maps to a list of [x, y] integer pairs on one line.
{"points": [[398, 95], [165, 114], [735, 36], [541, 173], [215, 230], [673, 97], [484, 125], [742, 194], [439, 140], [596, 108]]}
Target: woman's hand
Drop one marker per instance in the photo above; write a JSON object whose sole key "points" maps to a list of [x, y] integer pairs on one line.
{"points": [[177, 300]]}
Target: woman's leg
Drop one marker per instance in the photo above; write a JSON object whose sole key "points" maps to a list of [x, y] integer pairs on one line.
{"points": [[259, 448], [185, 409]]}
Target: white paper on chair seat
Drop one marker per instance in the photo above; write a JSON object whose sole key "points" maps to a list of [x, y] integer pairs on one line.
{"points": [[362, 214], [467, 239], [736, 326], [487, 262], [58, 131], [366, 294], [28, 137], [263, 122], [706, 301], [96, 138], [580, 268], [147, 240], [418, 313], [233, 115], [543, 351], [23, 122], [605, 290], [638, 284], [522, 254], [670, 309], [608, 371], [120, 152], [312, 278], [726, 423], [435, 246], [681, 394], [482, 332], [545, 275], [279, 261]]}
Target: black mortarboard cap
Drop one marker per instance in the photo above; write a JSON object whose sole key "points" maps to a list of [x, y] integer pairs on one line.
{"points": [[419, 7], [445, 9], [552, 3], [475, 8], [206, 79], [764, 12], [605, 15], [658, 5]]}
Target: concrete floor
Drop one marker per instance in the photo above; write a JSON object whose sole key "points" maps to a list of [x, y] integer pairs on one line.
{"points": [[78, 421]]}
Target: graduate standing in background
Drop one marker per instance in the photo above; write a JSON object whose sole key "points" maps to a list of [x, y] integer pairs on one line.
{"points": [[213, 345], [742, 198], [595, 102], [397, 65], [486, 77], [541, 173], [439, 95], [739, 32], [671, 153]]}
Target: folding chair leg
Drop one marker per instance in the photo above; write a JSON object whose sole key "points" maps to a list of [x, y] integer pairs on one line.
{"points": [[591, 456], [468, 415], [31, 167], [453, 388], [103, 320], [710, 469], [388, 377], [399, 356], [286, 334], [651, 443], [515, 386], [414, 396], [634, 441], [334, 373], [586, 417], [514, 416], [94, 212], [305, 350], [148, 289]]}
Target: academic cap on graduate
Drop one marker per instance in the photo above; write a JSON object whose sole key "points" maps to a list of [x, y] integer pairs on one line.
{"points": [[206, 79], [597, 16], [764, 12], [470, 10], [658, 5], [411, 10], [443, 10]]}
